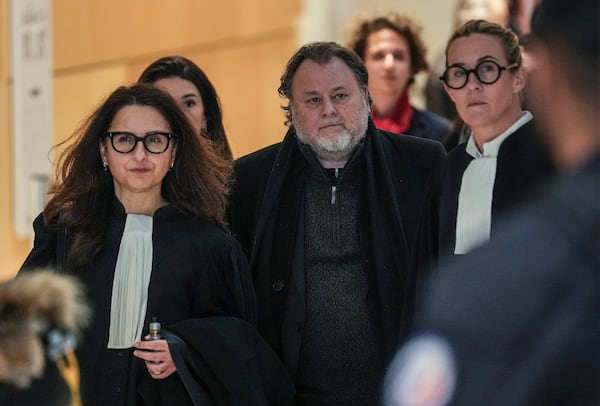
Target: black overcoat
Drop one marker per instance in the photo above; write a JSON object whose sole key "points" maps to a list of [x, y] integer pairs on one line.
{"points": [[398, 226]]}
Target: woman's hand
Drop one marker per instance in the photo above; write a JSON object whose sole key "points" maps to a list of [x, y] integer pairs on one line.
{"points": [[157, 357]]}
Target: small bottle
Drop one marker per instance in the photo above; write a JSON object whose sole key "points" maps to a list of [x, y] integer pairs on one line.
{"points": [[154, 327]]}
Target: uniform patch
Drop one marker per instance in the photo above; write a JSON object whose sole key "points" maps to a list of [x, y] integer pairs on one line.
{"points": [[423, 373]]}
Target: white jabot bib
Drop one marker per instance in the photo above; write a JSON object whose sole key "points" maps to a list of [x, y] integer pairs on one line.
{"points": [[474, 214], [130, 284]]}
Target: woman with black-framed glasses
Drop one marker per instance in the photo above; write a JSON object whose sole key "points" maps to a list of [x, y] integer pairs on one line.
{"points": [[503, 160], [137, 215], [155, 142]]}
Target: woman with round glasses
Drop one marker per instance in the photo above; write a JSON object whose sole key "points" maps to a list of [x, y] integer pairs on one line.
{"points": [[503, 160], [137, 215]]}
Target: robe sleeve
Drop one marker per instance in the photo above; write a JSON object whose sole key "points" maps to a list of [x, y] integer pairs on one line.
{"points": [[226, 359], [226, 288], [43, 253]]}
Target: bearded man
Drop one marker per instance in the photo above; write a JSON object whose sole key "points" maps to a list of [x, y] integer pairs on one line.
{"points": [[339, 221]]}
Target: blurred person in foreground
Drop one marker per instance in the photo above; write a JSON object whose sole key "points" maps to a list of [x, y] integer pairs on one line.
{"points": [[331, 218], [516, 323], [195, 95], [504, 161], [393, 51], [137, 215]]}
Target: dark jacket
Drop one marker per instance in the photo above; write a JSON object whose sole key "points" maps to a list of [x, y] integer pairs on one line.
{"points": [[399, 200], [49, 389], [425, 124], [197, 271], [523, 165]]}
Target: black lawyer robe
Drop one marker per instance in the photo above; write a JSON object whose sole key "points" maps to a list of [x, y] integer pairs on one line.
{"points": [[198, 271], [523, 166]]}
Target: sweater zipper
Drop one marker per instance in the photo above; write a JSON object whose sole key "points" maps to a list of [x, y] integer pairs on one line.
{"points": [[334, 187]]}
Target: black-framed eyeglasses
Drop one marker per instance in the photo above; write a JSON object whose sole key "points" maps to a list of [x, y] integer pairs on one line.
{"points": [[486, 72], [155, 142]]}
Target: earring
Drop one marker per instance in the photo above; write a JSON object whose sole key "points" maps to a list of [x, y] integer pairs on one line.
{"points": [[105, 166], [172, 163]]}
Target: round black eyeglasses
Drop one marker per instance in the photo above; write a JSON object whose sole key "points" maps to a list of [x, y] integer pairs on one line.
{"points": [[486, 72], [155, 142]]}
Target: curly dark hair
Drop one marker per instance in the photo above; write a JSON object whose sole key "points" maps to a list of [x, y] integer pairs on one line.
{"points": [[363, 25], [321, 53], [178, 66], [83, 194]]}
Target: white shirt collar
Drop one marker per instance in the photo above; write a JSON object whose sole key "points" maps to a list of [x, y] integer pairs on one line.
{"points": [[492, 147]]}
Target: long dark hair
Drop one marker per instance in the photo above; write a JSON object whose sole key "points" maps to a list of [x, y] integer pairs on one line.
{"points": [[178, 66], [82, 197]]}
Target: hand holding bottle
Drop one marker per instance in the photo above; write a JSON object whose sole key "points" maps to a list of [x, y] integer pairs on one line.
{"points": [[155, 352]]}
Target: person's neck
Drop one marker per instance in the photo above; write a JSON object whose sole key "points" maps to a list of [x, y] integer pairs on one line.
{"points": [[141, 203], [484, 134], [384, 103], [580, 142], [574, 156], [332, 162], [570, 125]]}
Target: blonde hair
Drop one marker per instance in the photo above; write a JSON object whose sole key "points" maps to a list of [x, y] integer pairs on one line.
{"points": [[509, 40]]}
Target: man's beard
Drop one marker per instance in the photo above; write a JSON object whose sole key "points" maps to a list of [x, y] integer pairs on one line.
{"points": [[339, 146]]}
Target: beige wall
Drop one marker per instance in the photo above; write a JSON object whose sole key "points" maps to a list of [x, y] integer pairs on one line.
{"points": [[241, 44], [11, 248]]}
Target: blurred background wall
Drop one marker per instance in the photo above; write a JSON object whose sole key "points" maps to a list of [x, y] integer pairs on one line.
{"points": [[242, 45]]}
